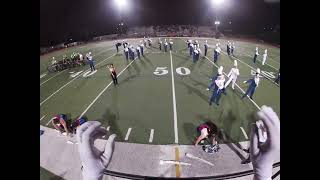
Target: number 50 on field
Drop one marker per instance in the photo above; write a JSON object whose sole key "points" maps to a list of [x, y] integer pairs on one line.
{"points": [[159, 71]]}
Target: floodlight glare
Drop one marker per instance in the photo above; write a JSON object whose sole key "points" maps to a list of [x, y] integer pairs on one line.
{"points": [[217, 2], [217, 22], [121, 3]]}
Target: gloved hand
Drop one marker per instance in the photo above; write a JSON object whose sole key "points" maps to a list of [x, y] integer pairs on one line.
{"points": [[262, 155], [93, 161]]}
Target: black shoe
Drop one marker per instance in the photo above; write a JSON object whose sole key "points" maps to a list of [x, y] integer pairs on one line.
{"points": [[210, 103]]}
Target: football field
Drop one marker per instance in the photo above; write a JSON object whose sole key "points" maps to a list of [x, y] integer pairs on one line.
{"points": [[162, 97]]}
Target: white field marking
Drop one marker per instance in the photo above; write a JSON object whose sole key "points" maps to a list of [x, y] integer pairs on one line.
{"points": [[43, 75], [49, 123], [89, 73], [151, 135], [71, 81], [236, 85], [108, 128], [254, 69], [174, 104], [127, 135], [95, 99], [42, 117], [51, 77], [244, 133]]}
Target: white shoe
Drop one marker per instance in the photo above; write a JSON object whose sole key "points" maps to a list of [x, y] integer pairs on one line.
{"points": [[207, 89]]}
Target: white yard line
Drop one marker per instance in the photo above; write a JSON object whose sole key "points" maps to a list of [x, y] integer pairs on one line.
{"points": [[43, 75], [72, 80], [51, 77], [42, 117], [236, 85], [95, 99], [151, 135], [174, 104], [127, 135], [48, 122], [244, 133]]}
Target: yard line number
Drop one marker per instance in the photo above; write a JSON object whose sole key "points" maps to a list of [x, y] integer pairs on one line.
{"points": [[183, 71], [268, 74]]}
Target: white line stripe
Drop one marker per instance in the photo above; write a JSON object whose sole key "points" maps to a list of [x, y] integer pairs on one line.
{"points": [[43, 75], [127, 135], [52, 77], [70, 82], [151, 135], [104, 90], [48, 122], [108, 128], [244, 133], [174, 104], [236, 85], [42, 117]]}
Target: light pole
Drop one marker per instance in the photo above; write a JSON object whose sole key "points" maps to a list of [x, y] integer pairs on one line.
{"points": [[216, 4]]}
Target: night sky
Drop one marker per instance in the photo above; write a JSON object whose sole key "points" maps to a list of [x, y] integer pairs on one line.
{"points": [[77, 19]]}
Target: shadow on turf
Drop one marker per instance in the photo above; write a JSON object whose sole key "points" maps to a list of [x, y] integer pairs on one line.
{"points": [[148, 60], [112, 119], [196, 91]]}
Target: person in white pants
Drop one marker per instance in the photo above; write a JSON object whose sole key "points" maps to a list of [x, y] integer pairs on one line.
{"points": [[264, 56], [233, 74]]}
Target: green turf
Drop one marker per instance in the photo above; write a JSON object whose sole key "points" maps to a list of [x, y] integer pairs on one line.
{"points": [[144, 101], [47, 175]]}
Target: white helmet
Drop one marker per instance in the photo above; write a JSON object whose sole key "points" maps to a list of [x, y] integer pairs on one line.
{"points": [[258, 70]]}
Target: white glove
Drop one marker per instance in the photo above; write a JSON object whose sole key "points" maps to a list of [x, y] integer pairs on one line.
{"points": [[94, 162], [262, 155]]}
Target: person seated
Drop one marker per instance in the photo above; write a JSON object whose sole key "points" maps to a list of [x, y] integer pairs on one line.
{"points": [[205, 132], [59, 122]]}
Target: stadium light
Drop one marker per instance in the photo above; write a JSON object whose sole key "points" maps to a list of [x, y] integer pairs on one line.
{"points": [[217, 22], [217, 2], [121, 3]]}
